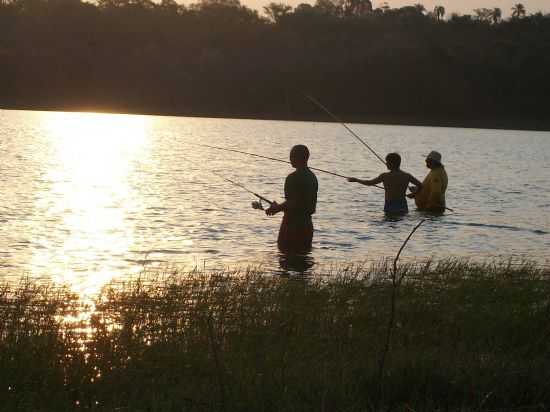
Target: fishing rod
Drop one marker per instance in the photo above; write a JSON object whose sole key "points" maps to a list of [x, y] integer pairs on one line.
{"points": [[318, 104], [270, 158], [258, 205], [265, 157], [255, 205]]}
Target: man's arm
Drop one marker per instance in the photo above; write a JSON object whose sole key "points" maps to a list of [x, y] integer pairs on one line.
{"points": [[415, 181], [276, 208], [282, 207], [416, 189], [367, 182], [288, 203]]}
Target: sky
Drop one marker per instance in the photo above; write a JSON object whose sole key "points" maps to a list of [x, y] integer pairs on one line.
{"points": [[459, 6]]}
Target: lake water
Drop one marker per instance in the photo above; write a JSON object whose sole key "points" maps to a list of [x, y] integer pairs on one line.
{"points": [[86, 198]]}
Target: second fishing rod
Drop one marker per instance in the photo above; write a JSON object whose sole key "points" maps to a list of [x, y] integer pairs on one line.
{"points": [[270, 158], [334, 117]]}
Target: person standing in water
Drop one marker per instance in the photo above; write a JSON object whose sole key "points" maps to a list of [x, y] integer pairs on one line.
{"points": [[395, 185], [431, 196], [301, 186]]}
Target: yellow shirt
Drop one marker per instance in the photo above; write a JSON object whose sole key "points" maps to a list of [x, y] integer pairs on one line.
{"points": [[432, 195]]}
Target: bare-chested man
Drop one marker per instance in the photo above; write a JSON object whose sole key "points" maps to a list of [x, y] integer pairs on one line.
{"points": [[395, 184]]}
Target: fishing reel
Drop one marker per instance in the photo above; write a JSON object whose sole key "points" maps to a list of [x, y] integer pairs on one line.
{"points": [[257, 204]]}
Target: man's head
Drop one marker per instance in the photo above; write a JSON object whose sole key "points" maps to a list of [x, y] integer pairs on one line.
{"points": [[393, 161], [299, 156], [433, 159]]}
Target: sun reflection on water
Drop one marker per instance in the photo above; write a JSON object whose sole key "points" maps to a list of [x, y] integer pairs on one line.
{"points": [[89, 193]]}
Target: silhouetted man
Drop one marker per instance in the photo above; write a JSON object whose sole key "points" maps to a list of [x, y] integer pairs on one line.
{"points": [[395, 185], [296, 232]]}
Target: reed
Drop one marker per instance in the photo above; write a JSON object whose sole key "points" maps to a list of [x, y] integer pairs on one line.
{"points": [[465, 337]]}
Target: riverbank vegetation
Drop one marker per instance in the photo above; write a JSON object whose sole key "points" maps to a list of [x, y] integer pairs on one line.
{"points": [[451, 336], [220, 58]]}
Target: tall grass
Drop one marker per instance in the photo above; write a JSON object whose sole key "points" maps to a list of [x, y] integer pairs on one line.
{"points": [[464, 337]]}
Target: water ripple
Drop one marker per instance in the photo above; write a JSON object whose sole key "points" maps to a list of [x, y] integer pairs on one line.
{"points": [[103, 196]]}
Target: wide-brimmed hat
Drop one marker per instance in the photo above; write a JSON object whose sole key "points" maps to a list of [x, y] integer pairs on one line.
{"points": [[436, 156]]}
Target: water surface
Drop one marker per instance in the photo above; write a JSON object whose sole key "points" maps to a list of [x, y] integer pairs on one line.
{"points": [[91, 197]]}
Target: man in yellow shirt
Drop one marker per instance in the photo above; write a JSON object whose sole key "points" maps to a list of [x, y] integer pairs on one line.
{"points": [[431, 196]]}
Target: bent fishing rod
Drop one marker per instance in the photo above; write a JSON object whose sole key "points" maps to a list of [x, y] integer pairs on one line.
{"points": [[270, 158]]}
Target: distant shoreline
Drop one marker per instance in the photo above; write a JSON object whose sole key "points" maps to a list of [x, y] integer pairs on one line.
{"points": [[502, 122]]}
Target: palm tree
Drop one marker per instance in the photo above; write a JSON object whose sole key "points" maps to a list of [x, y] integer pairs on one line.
{"points": [[420, 8], [439, 12], [276, 11], [357, 7], [518, 11], [496, 15], [483, 14]]}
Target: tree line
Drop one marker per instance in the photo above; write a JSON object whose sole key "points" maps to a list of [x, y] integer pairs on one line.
{"points": [[220, 58]]}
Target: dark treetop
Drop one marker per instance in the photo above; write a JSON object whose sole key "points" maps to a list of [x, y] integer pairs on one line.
{"points": [[219, 58]]}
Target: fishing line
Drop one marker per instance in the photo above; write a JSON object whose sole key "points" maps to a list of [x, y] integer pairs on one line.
{"points": [[270, 158], [255, 205], [318, 104], [265, 157], [244, 188]]}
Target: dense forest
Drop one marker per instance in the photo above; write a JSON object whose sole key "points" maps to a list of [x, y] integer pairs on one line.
{"points": [[220, 58]]}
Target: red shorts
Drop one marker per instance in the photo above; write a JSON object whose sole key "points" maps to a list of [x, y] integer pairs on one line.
{"points": [[295, 238]]}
